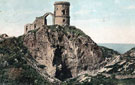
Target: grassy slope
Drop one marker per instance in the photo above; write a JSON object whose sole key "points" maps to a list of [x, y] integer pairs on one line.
{"points": [[101, 80], [14, 69]]}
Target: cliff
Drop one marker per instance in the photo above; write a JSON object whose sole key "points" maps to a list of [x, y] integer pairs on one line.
{"points": [[65, 52], [124, 65], [56, 55], [15, 67]]}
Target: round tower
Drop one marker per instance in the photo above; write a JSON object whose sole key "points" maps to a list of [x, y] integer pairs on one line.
{"points": [[61, 13]]}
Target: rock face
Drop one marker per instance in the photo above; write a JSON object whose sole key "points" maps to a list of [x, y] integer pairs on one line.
{"points": [[15, 69], [125, 64], [2, 36], [118, 69], [50, 53], [130, 53], [64, 51]]}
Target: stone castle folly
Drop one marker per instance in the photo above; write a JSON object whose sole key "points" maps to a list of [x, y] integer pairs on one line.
{"points": [[61, 16], [61, 13]]}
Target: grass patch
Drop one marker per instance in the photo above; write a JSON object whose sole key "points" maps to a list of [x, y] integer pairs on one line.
{"points": [[13, 55], [67, 29]]}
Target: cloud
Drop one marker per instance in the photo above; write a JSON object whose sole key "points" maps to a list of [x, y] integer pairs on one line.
{"points": [[131, 7], [102, 33], [11, 29], [117, 1], [103, 25], [84, 12]]}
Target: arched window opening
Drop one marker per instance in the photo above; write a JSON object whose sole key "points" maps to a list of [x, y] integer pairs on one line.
{"points": [[63, 20], [49, 20], [63, 12], [26, 28], [34, 25]]}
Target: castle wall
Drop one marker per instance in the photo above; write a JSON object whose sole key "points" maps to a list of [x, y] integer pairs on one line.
{"points": [[59, 8], [28, 27], [61, 13], [35, 25], [62, 21], [38, 22], [61, 17]]}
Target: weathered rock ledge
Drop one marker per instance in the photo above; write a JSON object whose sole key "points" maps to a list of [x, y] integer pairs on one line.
{"points": [[64, 51]]}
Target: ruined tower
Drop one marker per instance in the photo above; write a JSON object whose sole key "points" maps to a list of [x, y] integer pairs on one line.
{"points": [[61, 17], [62, 13]]}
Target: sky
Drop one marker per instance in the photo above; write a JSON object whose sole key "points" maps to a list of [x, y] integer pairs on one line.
{"points": [[105, 21]]}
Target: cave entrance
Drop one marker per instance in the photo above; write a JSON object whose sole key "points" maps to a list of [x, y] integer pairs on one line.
{"points": [[62, 71]]}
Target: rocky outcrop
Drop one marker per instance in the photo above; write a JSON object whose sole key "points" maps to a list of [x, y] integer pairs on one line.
{"points": [[2, 36], [17, 67], [110, 58], [64, 51], [123, 65], [53, 53], [130, 53]]}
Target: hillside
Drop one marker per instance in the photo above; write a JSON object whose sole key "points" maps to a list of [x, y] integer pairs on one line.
{"points": [[125, 65], [56, 55], [15, 67], [65, 51], [120, 47]]}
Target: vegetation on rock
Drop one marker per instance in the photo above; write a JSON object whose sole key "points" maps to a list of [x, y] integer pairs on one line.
{"points": [[66, 52], [14, 67]]}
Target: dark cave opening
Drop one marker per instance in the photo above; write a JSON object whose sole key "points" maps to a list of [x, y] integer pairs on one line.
{"points": [[57, 55], [62, 71]]}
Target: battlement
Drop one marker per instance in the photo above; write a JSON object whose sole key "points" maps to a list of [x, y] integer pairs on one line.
{"points": [[62, 3]]}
